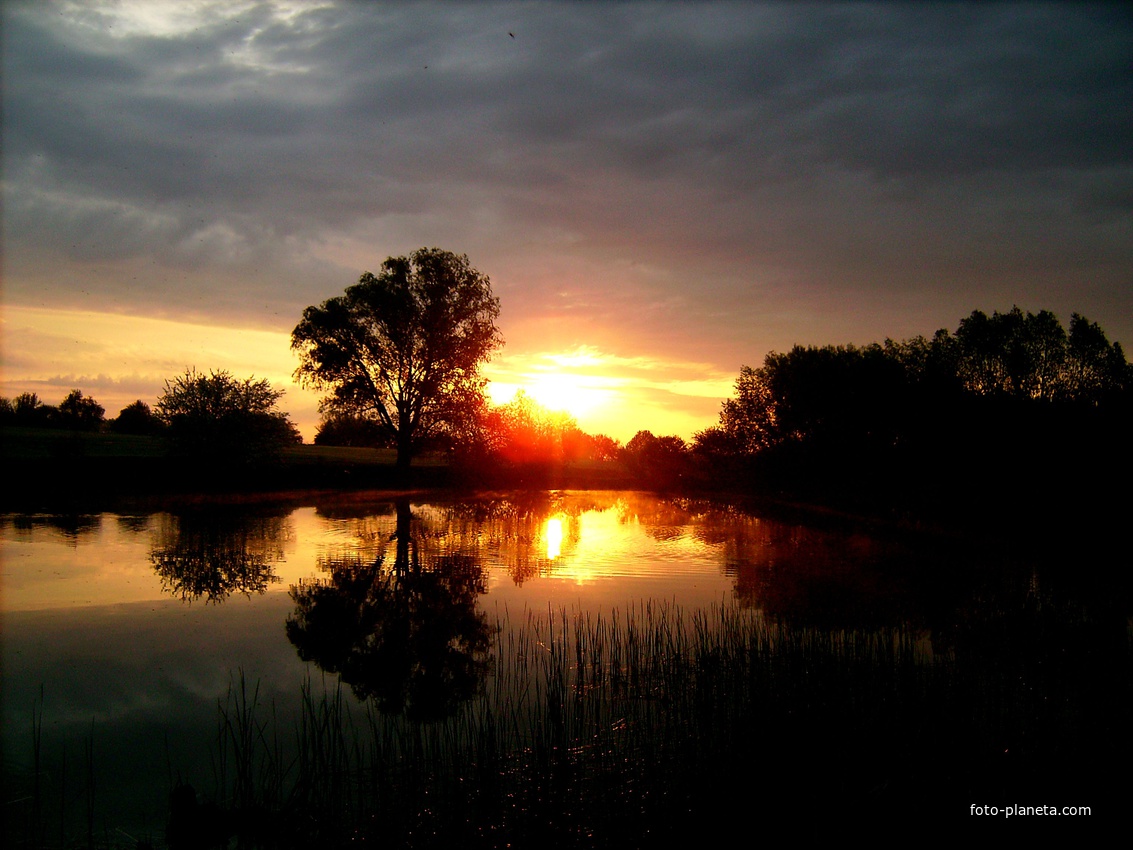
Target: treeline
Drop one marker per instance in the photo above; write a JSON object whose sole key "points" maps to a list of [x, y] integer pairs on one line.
{"points": [[77, 412], [1010, 414], [198, 415]]}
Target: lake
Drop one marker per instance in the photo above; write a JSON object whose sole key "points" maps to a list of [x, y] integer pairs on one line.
{"points": [[134, 642]]}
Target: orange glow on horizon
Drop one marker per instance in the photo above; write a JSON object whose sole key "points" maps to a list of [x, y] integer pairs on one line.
{"points": [[558, 392], [120, 358]]}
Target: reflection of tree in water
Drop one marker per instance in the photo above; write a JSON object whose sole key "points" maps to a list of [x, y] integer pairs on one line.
{"points": [[212, 554], [72, 527], [407, 635], [818, 577], [133, 523]]}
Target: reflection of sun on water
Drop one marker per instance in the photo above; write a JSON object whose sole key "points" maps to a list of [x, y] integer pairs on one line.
{"points": [[593, 546], [554, 535]]}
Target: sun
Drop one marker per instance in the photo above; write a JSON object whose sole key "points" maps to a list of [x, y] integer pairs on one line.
{"points": [[566, 392], [577, 383]]}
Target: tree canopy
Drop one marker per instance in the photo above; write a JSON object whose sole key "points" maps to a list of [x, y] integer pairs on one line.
{"points": [[80, 412], [221, 418], [137, 418], [1009, 407], [403, 348], [846, 393]]}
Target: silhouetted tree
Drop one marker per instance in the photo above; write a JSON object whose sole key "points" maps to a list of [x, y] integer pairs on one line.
{"points": [[830, 395], [137, 418], [1096, 369], [404, 348], [217, 417], [657, 461], [877, 425], [29, 412], [1031, 356], [344, 429], [80, 413]]}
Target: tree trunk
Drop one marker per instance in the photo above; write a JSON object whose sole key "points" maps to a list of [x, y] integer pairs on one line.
{"points": [[404, 452]]}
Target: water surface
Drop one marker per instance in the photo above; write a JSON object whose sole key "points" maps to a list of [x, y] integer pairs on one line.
{"points": [[123, 632]]}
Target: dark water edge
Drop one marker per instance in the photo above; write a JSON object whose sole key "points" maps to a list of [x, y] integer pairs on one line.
{"points": [[1017, 517], [657, 724]]}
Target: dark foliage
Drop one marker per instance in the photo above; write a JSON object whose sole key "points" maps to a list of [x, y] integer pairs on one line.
{"points": [[343, 429], [658, 462], [137, 418], [224, 421], [1010, 413], [403, 348], [78, 412], [27, 411]]}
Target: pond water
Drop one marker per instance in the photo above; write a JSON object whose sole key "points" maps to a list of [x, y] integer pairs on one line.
{"points": [[123, 632]]}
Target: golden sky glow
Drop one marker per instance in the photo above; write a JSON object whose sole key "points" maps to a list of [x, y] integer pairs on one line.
{"points": [[612, 395], [118, 359]]}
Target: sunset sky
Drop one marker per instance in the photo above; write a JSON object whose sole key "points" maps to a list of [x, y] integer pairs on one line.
{"points": [[660, 194]]}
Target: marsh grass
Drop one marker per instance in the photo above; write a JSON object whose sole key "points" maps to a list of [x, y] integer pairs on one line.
{"points": [[651, 724]]}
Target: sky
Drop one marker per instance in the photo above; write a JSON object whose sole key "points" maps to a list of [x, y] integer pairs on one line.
{"points": [[659, 193]]}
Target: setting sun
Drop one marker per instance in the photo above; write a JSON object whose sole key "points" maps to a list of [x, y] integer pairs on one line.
{"points": [[612, 394], [564, 391], [561, 383]]}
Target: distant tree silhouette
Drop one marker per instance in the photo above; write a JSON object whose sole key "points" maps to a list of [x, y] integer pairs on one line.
{"points": [[862, 425], [524, 432], [29, 412], [657, 461], [80, 413], [137, 418], [1031, 356], [220, 418], [524, 435], [403, 348], [1096, 371], [344, 429]]}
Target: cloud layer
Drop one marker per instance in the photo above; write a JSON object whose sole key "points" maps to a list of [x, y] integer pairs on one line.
{"points": [[704, 182]]}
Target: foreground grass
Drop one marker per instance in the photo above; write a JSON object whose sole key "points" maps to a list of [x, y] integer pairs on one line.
{"points": [[656, 724]]}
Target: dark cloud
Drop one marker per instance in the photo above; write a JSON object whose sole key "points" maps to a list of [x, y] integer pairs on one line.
{"points": [[816, 164]]}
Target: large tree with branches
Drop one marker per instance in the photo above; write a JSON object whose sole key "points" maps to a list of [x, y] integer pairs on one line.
{"points": [[403, 348]]}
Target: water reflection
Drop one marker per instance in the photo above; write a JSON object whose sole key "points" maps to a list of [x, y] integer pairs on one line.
{"points": [[406, 634], [952, 650], [71, 527], [212, 554]]}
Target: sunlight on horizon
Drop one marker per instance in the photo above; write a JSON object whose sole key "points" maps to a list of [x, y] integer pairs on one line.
{"points": [[119, 358], [613, 394]]}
